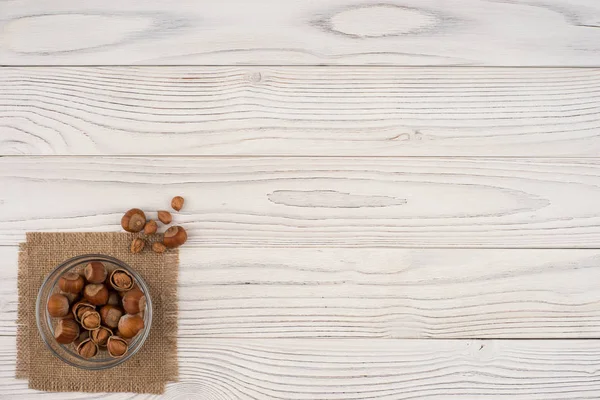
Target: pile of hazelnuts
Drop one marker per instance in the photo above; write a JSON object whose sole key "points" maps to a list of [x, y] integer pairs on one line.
{"points": [[98, 309], [135, 221]]}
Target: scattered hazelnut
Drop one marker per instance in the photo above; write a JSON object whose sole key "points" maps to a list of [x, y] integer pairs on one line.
{"points": [[111, 315], [151, 227], [134, 302], [177, 203], [100, 336], [80, 308], [121, 280], [165, 217], [66, 331], [87, 349], [58, 305], [116, 346], [134, 220], [130, 325], [96, 294], [137, 245], [175, 236], [95, 272], [159, 247], [113, 299], [90, 320], [71, 282]]}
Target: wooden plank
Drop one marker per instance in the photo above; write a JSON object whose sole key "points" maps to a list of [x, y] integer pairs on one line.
{"points": [[314, 202], [411, 32], [364, 369], [300, 111], [374, 293]]}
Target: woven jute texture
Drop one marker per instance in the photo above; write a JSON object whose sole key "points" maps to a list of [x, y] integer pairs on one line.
{"points": [[146, 372]]}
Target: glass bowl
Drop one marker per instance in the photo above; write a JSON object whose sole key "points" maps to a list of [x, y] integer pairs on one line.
{"points": [[46, 323]]}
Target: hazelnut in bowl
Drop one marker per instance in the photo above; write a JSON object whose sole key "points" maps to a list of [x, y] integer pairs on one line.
{"points": [[94, 312]]}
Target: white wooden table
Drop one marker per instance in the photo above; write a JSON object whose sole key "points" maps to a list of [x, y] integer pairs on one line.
{"points": [[385, 200]]}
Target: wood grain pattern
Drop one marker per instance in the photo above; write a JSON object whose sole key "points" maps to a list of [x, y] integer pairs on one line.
{"points": [[374, 293], [314, 202], [407, 32], [308, 111], [364, 369]]}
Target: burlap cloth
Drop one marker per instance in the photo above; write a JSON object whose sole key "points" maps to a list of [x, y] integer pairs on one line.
{"points": [[146, 372]]}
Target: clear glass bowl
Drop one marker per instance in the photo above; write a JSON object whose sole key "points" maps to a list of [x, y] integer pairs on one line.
{"points": [[46, 323]]}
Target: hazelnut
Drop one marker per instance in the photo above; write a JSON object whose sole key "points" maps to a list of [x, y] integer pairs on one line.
{"points": [[72, 297], [130, 325], [121, 280], [158, 247], [100, 336], [66, 331], [83, 335], [96, 294], [80, 308], [71, 282], [177, 203], [150, 228], [137, 245], [87, 349], [175, 236], [134, 302], [113, 298], [134, 220], [111, 315], [116, 346], [90, 320], [58, 305], [165, 217], [95, 272]]}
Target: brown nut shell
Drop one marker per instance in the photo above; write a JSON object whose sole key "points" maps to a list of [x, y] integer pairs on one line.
{"points": [[165, 217], [137, 245], [151, 227], [111, 315], [121, 280], [66, 331], [134, 220], [71, 282], [80, 308], [130, 325], [58, 305], [72, 297], [116, 346], [90, 320], [175, 236], [95, 272], [159, 247], [83, 335], [87, 349], [134, 301], [177, 203], [113, 298], [96, 294], [100, 336]]}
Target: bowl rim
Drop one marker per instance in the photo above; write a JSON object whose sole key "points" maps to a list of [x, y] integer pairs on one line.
{"points": [[76, 261]]}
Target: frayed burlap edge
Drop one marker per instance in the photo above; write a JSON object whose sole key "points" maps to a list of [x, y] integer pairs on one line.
{"points": [[22, 286]]}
